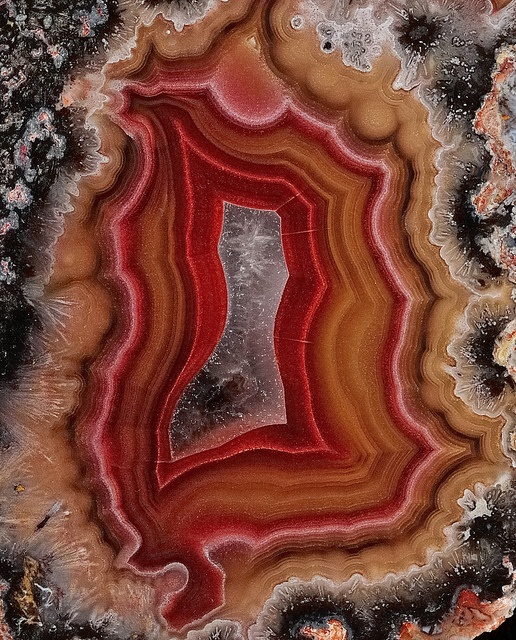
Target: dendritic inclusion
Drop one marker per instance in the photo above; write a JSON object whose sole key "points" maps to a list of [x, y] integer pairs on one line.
{"points": [[258, 348]]}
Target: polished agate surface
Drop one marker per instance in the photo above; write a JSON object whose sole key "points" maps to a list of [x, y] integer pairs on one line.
{"points": [[258, 355]]}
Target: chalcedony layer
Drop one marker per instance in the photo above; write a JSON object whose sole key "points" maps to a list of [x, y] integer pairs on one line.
{"points": [[276, 352]]}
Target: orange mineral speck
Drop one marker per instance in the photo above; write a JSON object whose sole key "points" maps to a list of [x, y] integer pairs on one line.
{"points": [[333, 631], [409, 631]]}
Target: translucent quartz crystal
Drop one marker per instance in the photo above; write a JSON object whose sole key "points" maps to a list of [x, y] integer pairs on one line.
{"points": [[240, 387]]}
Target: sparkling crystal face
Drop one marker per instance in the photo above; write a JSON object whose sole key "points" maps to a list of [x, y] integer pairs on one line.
{"points": [[259, 343]]}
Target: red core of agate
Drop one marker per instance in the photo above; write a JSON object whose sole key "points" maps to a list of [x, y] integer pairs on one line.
{"points": [[167, 512]]}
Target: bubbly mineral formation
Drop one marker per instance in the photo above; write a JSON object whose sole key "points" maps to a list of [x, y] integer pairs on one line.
{"points": [[258, 347]]}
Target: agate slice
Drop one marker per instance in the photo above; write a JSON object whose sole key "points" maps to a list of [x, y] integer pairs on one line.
{"points": [[258, 346]]}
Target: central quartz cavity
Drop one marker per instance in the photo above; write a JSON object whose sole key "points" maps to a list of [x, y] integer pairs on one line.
{"points": [[240, 388]]}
